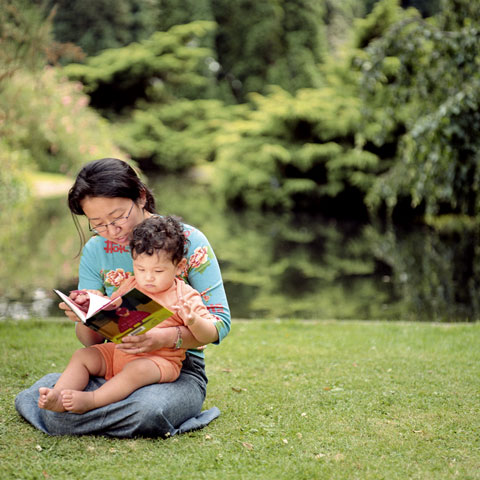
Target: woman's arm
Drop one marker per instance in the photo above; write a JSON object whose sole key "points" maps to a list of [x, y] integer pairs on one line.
{"points": [[203, 274], [88, 336]]}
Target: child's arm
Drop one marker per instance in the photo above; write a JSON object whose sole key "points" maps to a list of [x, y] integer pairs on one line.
{"points": [[198, 319]]}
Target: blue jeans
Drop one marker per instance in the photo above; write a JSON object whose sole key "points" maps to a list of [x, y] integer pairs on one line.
{"points": [[157, 410]]}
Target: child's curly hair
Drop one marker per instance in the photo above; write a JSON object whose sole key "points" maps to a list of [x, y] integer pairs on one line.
{"points": [[157, 234]]}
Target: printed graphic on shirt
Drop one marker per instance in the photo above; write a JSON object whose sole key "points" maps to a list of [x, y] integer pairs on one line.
{"points": [[199, 260], [113, 278], [111, 247], [215, 308]]}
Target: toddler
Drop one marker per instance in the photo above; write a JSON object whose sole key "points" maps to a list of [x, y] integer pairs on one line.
{"points": [[157, 247]]}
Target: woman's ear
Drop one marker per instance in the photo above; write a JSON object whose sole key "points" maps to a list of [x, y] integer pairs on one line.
{"points": [[142, 199]]}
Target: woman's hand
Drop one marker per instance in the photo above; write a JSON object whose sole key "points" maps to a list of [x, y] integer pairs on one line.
{"points": [[80, 297], [152, 340], [86, 335]]}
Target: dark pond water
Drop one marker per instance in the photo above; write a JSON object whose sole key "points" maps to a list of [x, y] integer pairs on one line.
{"points": [[274, 266]]}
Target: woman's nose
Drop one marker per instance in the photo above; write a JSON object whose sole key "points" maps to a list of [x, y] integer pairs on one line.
{"points": [[113, 228]]}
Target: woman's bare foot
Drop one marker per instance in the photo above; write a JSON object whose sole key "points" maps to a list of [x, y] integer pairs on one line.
{"points": [[77, 402], [50, 399]]}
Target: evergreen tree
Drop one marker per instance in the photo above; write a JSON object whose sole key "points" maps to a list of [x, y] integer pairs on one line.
{"points": [[271, 42], [178, 12], [96, 25], [422, 86]]}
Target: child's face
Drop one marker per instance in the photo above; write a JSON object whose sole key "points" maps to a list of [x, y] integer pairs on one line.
{"points": [[156, 273]]}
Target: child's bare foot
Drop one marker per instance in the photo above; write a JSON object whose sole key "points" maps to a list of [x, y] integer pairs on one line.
{"points": [[77, 402], [50, 399]]}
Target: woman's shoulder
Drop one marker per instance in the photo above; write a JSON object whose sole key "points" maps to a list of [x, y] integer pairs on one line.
{"points": [[94, 241], [194, 235], [93, 245]]}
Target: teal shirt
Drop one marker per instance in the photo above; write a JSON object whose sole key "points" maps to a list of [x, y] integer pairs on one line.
{"points": [[104, 265]]}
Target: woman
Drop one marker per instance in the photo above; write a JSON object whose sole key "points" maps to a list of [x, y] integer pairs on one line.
{"points": [[114, 200]]}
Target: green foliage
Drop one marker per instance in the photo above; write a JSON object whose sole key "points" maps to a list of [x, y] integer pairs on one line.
{"points": [[96, 25], [24, 37], [48, 127], [166, 66], [166, 83], [385, 13], [178, 135], [45, 122], [339, 19], [390, 116], [421, 83], [295, 150], [168, 13], [269, 42], [256, 44], [48, 119]]}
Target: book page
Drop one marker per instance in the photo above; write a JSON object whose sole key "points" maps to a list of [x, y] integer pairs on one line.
{"points": [[96, 303]]}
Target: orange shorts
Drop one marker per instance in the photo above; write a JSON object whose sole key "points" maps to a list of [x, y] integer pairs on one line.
{"points": [[115, 360]]}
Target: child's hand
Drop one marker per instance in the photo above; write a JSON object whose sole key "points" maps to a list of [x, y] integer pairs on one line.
{"points": [[184, 310], [147, 342]]}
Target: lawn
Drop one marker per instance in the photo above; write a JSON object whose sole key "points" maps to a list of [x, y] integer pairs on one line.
{"points": [[299, 400]]}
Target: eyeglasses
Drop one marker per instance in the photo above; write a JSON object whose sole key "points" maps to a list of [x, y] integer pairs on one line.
{"points": [[118, 221]]}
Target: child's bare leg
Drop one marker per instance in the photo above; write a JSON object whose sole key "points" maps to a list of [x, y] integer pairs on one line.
{"points": [[84, 362], [134, 375]]}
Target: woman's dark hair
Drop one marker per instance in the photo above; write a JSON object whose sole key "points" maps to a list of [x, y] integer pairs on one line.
{"points": [[159, 234], [111, 178], [107, 177]]}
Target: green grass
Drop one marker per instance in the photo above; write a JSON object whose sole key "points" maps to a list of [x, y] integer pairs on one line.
{"points": [[299, 400]]}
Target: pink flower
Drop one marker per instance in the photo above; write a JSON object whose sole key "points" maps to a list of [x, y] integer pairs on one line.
{"points": [[116, 277], [199, 257]]}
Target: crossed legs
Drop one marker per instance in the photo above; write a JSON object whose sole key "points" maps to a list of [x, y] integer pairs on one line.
{"points": [[68, 394]]}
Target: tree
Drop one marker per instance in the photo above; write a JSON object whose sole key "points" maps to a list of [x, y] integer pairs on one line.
{"points": [[96, 25], [161, 95], [271, 42], [164, 67], [24, 37], [169, 13], [421, 81]]}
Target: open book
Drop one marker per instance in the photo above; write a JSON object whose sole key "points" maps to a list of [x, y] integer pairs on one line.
{"points": [[131, 314]]}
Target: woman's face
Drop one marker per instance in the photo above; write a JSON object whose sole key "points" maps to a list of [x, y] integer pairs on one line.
{"points": [[114, 218]]}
